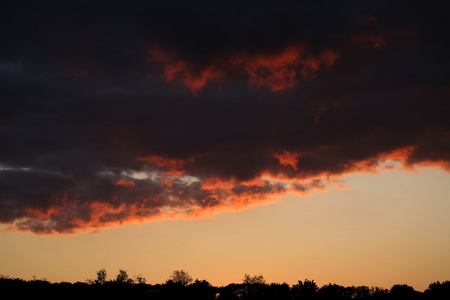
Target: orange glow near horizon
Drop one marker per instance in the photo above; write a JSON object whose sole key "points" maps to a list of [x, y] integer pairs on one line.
{"points": [[373, 234]]}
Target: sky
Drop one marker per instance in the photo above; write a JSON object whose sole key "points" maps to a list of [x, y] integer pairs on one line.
{"points": [[289, 139]]}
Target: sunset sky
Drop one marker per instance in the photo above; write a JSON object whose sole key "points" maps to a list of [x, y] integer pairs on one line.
{"points": [[293, 140]]}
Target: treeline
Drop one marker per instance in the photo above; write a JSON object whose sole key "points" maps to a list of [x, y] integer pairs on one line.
{"points": [[181, 286]]}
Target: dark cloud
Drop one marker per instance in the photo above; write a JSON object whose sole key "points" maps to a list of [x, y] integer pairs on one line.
{"points": [[116, 112]]}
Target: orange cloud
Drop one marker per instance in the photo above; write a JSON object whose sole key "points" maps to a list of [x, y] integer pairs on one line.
{"points": [[278, 70], [170, 166], [170, 194], [176, 199], [212, 183], [125, 182], [400, 154], [196, 82], [289, 159], [275, 70], [404, 154], [191, 79], [194, 77], [312, 64]]}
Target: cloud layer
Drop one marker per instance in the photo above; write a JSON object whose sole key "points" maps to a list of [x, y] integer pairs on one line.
{"points": [[117, 113]]}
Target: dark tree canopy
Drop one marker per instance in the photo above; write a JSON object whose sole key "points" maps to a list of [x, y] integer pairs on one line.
{"points": [[181, 286]]}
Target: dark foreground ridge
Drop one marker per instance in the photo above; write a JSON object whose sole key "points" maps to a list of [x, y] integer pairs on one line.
{"points": [[181, 286]]}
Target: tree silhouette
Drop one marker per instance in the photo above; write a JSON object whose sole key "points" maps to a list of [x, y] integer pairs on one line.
{"points": [[438, 290], [180, 286], [279, 291], [258, 279], [378, 293], [229, 292], [361, 292], [101, 277], [254, 287], [334, 291], [304, 290], [123, 277], [201, 290], [181, 277], [403, 291], [140, 279]]}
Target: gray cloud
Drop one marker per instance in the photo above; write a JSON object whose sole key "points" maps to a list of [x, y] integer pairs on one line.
{"points": [[94, 132]]}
